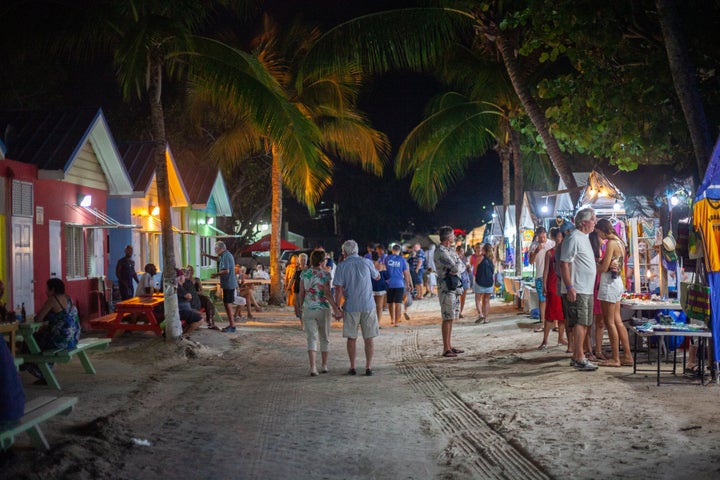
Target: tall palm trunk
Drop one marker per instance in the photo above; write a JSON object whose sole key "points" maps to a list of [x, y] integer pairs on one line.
{"points": [[683, 75], [519, 192], [537, 117], [276, 295], [173, 329]]}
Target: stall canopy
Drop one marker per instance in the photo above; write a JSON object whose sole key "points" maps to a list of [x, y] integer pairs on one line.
{"points": [[710, 191], [601, 194], [506, 227], [263, 245], [476, 235]]}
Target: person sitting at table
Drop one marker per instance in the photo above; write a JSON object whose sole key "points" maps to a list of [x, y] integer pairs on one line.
{"points": [[3, 309], [146, 285], [246, 291], [260, 272], [63, 326], [199, 299], [187, 314]]}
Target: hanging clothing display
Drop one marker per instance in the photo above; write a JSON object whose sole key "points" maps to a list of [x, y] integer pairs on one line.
{"points": [[706, 219]]}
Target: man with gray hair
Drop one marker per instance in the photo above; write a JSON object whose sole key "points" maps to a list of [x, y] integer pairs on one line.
{"points": [[450, 289], [228, 281], [353, 281], [577, 269]]}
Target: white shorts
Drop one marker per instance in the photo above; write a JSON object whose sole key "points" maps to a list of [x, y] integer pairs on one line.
{"points": [[609, 289], [367, 321]]}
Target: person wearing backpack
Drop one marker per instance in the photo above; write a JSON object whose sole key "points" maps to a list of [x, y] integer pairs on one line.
{"points": [[62, 331], [484, 283]]}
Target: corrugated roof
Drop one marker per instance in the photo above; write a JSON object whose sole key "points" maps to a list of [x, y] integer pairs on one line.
{"points": [[139, 161], [199, 180], [48, 140]]}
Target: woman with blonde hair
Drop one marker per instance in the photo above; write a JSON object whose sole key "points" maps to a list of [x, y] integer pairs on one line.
{"points": [[610, 290], [289, 279]]}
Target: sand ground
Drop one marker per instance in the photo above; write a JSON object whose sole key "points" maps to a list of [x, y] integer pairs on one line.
{"points": [[236, 406]]}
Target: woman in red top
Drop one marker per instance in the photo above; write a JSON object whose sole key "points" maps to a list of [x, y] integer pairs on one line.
{"points": [[553, 307]]}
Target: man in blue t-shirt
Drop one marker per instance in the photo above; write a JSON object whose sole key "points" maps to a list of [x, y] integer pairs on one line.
{"points": [[399, 279]]}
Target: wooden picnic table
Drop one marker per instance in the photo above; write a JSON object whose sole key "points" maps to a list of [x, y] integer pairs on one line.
{"points": [[45, 358], [135, 313]]}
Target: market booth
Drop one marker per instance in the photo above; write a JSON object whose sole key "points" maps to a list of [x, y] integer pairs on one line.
{"points": [[705, 299]]}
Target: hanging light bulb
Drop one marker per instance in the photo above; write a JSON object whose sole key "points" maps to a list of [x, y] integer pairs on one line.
{"points": [[674, 200]]}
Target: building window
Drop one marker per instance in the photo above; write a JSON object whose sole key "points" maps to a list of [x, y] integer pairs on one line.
{"points": [[22, 199], [75, 249], [207, 245]]}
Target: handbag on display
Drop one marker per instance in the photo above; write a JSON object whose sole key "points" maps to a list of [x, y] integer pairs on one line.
{"points": [[695, 246], [695, 298]]}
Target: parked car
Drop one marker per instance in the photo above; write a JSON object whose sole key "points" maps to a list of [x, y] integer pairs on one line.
{"points": [[285, 256]]}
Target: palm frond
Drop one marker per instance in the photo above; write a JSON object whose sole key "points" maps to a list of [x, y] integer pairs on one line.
{"points": [[409, 38], [460, 130], [437, 151], [351, 139]]}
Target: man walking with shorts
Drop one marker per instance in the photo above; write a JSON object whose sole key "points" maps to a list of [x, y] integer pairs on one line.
{"points": [[577, 269], [448, 265], [353, 280], [228, 281]]}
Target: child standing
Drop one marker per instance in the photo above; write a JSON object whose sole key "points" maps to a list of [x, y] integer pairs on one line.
{"points": [[432, 281]]}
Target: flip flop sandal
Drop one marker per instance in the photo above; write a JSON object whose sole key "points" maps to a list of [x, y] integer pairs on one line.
{"points": [[449, 353], [457, 350]]}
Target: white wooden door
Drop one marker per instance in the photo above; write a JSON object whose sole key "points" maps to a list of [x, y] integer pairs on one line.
{"points": [[23, 281], [55, 227]]}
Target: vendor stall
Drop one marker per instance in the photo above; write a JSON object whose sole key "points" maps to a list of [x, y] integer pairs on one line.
{"points": [[706, 220]]}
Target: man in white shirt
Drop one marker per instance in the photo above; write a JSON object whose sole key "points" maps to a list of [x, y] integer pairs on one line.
{"points": [[578, 270], [538, 251]]}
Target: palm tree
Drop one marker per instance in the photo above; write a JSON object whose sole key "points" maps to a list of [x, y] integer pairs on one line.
{"points": [[415, 38], [685, 82], [147, 40], [322, 122]]}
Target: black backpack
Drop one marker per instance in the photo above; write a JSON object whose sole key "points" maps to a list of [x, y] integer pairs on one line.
{"points": [[484, 273]]}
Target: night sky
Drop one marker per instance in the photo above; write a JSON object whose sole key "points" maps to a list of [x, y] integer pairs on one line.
{"points": [[370, 208], [373, 209]]}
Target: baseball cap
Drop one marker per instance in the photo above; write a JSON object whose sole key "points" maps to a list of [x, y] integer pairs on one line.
{"points": [[179, 272], [566, 226]]}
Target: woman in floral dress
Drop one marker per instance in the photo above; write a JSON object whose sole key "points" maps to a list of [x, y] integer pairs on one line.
{"points": [[316, 300]]}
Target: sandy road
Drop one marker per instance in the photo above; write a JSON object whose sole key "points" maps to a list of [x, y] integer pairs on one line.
{"points": [[245, 407]]}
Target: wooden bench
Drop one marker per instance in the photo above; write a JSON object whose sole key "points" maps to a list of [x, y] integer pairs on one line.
{"points": [[36, 412], [104, 320], [64, 356]]}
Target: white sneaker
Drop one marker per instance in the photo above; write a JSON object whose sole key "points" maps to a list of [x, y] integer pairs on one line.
{"points": [[586, 366], [313, 373], [324, 370]]}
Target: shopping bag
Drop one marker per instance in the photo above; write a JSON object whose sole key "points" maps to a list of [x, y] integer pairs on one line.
{"points": [[695, 300], [695, 246]]}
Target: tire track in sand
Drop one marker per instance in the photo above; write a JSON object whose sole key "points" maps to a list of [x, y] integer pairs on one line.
{"points": [[474, 444]]}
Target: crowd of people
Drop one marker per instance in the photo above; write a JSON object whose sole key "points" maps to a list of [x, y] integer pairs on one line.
{"points": [[577, 283]]}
